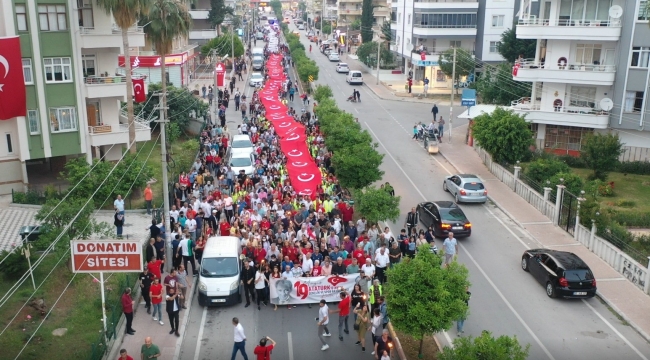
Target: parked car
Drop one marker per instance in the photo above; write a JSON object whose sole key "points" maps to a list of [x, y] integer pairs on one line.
{"points": [[465, 188], [562, 273], [334, 57], [443, 217], [342, 68], [354, 77], [256, 79], [31, 232], [327, 52]]}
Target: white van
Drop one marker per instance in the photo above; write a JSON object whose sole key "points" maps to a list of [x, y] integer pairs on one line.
{"points": [[354, 77], [220, 268], [257, 51]]}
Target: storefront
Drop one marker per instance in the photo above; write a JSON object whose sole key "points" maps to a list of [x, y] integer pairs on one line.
{"points": [[178, 67]]}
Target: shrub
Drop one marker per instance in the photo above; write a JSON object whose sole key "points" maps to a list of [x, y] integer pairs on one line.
{"points": [[634, 167], [572, 161], [542, 169], [14, 266], [625, 203], [573, 182], [323, 92]]}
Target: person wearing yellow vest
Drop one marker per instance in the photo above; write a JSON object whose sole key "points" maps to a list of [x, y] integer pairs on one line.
{"points": [[374, 292]]}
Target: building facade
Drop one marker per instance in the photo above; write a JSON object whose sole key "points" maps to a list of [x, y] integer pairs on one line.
{"points": [[590, 73]]}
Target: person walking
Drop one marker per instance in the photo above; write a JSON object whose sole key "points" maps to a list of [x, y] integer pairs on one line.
{"points": [[210, 97], [434, 111], [155, 292], [410, 83], [240, 340], [375, 327], [426, 86], [263, 351], [412, 220], [118, 205], [441, 127], [322, 321], [383, 345], [146, 279], [292, 91], [185, 248], [203, 90], [260, 286], [148, 198], [149, 350], [374, 292], [361, 312], [247, 278], [181, 283], [461, 322], [118, 221], [451, 248], [127, 309], [124, 355], [344, 312], [173, 309]]}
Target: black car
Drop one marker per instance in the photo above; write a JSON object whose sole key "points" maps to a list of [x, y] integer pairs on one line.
{"points": [[444, 217], [563, 273]]}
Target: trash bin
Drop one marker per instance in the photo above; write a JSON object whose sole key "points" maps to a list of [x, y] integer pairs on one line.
{"points": [[30, 233]]}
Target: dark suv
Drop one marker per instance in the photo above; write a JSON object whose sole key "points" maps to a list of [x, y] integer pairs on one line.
{"points": [[563, 273]]}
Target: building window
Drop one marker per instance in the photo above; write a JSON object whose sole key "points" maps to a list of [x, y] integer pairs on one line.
{"points": [[440, 76], [497, 21], [458, 21], [588, 54], [454, 44], [494, 46], [88, 63], [565, 137], [10, 145], [640, 56], [58, 70], [34, 122], [633, 101], [52, 17], [63, 119], [582, 96], [644, 13], [21, 17], [27, 72]]}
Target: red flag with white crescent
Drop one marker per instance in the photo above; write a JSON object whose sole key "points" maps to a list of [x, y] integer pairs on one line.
{"points": [[138, 90], [13, 98]]}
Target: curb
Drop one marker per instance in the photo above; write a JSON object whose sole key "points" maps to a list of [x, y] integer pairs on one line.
{"points": [[438, 345], [186, 319], [398, 345], [116, 344]]}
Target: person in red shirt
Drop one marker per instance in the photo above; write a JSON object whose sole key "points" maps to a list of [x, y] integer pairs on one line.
{"points": [[265, 224], [127, 309], [359, 254], [347, 212], [156, 295], [224, 227], [317, 270], [262, 350], [344, 312], [259, 253], [292, 253], [348, 260], [124, 355], [154, 267]]}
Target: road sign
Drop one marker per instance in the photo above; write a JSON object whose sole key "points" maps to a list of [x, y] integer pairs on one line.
{"points": [[91, 256], [311, 78], [468, 98]]}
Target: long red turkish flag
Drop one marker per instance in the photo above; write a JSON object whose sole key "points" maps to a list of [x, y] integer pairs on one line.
{"points": [[13, 99]]}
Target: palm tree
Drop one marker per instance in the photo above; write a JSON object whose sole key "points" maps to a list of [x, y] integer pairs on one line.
{"points": [[126, 13], [168, 19]]}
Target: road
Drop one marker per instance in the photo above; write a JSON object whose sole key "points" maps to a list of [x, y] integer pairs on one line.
{"points": [[505, 300]]}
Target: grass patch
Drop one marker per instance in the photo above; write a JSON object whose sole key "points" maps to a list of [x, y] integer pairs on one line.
{"points": [[79, 310], [630, 191], [411, 347]]}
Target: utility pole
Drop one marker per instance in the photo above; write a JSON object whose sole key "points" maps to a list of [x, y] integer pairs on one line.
{"points": [[453, 88], [322, 16], [165, 179], [378, 58]]}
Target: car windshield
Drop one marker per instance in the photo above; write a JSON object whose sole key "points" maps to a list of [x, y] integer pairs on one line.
{"points": [[452, 214], [473, 186], [219, 267], [240, 162], [578, 275], [238, 144], [256, 77]]}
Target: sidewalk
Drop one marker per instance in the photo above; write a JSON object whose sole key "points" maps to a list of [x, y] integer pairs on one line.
{"points": [[613, 288]]}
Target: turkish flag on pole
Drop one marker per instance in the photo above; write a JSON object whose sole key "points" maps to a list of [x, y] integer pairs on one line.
{"points": [[13, 101], [138, 90]]}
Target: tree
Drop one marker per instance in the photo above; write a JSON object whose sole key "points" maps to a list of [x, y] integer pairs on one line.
{"points": [[503, 134], [222, 46], [465, 63], [495, 85], [327, 28], [386, 33], [323, 92], [180, 109], [423, 297], [376, 204], [600, 153], [168, 19], [485, 347], [542, 170], [573, 182], [367, 18], [356, 24], [302, 6], [367, 53], [276, 5], [510, 47], [218, 12], [358, 166], [126, 13]]}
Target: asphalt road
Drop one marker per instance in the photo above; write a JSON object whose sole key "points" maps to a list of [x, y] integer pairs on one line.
{"points": [[505, 300]]}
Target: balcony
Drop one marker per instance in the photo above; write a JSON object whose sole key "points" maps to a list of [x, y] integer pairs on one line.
{"points": [[429, 59], [117, 134], [446, 4], [567, 29], [105, 86], [348, 11], [444, 30], [579, 116], [205, 34], [199, 14], [98, 38], [530, 70]]}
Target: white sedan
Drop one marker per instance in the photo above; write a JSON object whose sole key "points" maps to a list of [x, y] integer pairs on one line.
{"points": [[333, 56], [243, 162], [256, 79], [342, 68]]}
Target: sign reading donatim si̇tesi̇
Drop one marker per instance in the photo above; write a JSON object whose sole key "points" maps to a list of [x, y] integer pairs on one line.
{"points": [[90, 256]]}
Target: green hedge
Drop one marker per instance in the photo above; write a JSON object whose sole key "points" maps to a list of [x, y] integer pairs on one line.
{"points": [[304, 65]]}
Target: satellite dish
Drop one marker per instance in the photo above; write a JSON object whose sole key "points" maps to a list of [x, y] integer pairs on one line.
{"points": [[606, 104], [615, 12]]}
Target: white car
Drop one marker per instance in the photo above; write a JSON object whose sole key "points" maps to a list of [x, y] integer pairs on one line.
{"points": [[334, 56], [256, 79], [244, 162], [241, 144], [354, 77], [342, 68], [301, 27]]}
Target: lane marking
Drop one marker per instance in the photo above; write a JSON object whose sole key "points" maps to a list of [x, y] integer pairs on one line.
{"points": [[199, 340], [615, 331], [562, 245], [290, 342], [503, 298]]}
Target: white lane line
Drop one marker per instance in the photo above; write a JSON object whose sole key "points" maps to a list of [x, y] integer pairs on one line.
{"points": [[290, 342], [199, 340], [512, 309], [537, 223], [357, 110], [615, 331], [562, 245]]}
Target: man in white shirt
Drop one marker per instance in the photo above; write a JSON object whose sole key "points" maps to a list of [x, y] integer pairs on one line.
{"points": [[368, 270], [307, 264], [287, 274], [191, 227], [173, 213], [323, 319], [118, 205], [185, 248], [240, 339], [381, 260], [227, 203]]}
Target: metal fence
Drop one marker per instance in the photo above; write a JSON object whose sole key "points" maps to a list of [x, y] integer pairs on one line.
{"points": [[568, 211]]}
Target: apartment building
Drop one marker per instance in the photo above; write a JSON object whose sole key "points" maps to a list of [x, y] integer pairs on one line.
{"points": [[590, 73], [350, 10], [70, 54]]}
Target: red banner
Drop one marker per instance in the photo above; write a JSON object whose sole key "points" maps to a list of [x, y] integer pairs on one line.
{"points": [[13, 98], [220, 73], [303, 172], [138, 90]]}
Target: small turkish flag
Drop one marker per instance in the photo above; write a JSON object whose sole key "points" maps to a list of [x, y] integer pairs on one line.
{"points": [[515, 69], [13, 99], [138, 90], [423, 56]]}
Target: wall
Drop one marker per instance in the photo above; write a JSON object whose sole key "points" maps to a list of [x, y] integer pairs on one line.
{"points": [[487, 33]]}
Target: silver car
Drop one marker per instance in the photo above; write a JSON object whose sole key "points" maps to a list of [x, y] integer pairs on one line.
{"points": [[465, 188]]}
